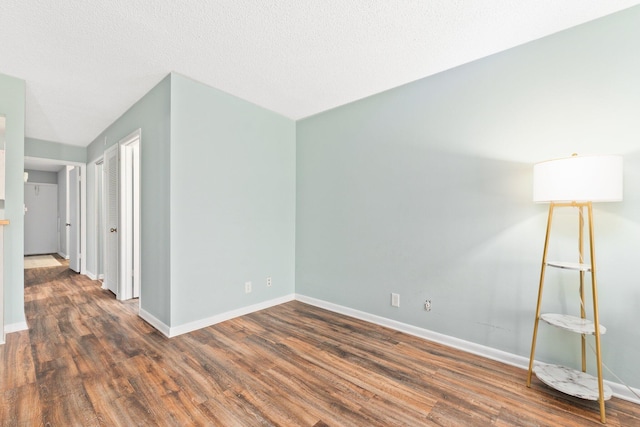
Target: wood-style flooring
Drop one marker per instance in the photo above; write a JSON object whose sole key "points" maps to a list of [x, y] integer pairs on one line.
{"points": [[88, 360]]}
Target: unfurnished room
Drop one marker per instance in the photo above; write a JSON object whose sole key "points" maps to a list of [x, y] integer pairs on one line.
{"points": [[295, 213]]}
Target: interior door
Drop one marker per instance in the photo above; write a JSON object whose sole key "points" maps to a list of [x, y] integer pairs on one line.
{"points": [[130, 216], [111, 183], [100, 227], [41, 218], [74, 220]]}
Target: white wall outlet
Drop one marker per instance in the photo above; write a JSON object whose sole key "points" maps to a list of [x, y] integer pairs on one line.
{"points": [[247, 287], [269, 282], [427, 305], [395, 300]]}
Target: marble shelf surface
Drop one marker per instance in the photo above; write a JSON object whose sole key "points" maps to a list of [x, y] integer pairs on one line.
{"points": [[571, 382], [572, 323], [570, 265]]}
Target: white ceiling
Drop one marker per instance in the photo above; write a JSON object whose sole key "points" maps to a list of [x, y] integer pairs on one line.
{"points": [[86, 62]]}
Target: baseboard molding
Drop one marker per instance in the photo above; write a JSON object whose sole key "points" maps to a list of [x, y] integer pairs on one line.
{"points": [[153, 321], [619, 390], [63, 255], [94, 276], [199, 324], [16, 327]]}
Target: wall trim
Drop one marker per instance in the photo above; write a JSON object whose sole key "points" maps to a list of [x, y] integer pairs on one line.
{"points": [[203, 323], [619, 390], [154, 321], [91, 276], [16, 327]]}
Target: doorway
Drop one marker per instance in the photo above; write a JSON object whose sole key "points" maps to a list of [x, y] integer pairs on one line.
{"points": [[130, 214], [122, 217], [40, 169], [100, 227]]}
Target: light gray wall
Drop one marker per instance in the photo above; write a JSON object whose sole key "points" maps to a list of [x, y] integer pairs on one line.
{"points": [[12, 106], [42, 177], [223, 171], [232, 202], [54, 150], [425, 190], [151, 114]]}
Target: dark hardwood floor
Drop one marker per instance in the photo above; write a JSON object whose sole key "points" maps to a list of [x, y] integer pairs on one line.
{"points": [[88, 360]]}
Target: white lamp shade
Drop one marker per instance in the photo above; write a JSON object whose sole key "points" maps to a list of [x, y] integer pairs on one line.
{"points": [[578, 179]]}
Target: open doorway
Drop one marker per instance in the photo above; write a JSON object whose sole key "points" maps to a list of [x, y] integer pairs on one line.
{"points": [[66, 230]]}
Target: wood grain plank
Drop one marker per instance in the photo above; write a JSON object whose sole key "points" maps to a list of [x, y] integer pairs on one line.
{"points": [[88, 359], [21, 406]]}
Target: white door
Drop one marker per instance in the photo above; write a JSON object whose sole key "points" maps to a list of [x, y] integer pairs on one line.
{"points": [[130, 216], [41, 218], [100, 227], [111, 221], [74, 220]]}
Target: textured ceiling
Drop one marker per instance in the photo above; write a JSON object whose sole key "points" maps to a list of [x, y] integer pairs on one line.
{"points": [[86, 62]]}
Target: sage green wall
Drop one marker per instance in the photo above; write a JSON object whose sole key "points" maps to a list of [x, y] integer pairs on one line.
{"points": [[425, 190], [42, 177], [232, 202], [54, 150], [12, 106], [151, 114], [218, 200]]}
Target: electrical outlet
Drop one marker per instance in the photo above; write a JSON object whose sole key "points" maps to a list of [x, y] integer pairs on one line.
{"points": [[427, 305], [269, 282], [247, 287], [395, 300]]}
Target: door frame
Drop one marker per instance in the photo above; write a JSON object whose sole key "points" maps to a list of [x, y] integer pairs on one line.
{"points": [[99, 219], [83, 203], [73, 216], [129, 184]]}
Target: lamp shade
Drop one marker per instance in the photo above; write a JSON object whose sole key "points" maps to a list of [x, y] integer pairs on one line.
{"points": [[578, 179]]}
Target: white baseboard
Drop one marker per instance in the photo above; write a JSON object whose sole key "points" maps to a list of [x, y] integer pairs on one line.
{"points": [[199, 324], [16, 327], [619, 390], [154, 321], [63, 255], [91, 276]]}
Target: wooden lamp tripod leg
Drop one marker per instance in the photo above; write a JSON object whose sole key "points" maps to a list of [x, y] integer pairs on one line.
{"points": [[596, 320], [542, 272]]}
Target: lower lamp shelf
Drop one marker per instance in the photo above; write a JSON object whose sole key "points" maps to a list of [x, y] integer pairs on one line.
{"points": [[571, 382], [572, 323]]}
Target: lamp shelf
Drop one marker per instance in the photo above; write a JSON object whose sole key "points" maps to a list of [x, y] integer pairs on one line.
{"points": [[574, 183], [571, 382], [572, 323], [577, 266]]}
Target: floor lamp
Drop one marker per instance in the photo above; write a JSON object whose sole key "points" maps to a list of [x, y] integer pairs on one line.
{"points": [[578, 182]]}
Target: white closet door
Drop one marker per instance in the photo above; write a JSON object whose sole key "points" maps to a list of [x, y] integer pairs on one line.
{"points": [[74, 220], [41, 218], [112, 217]]}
